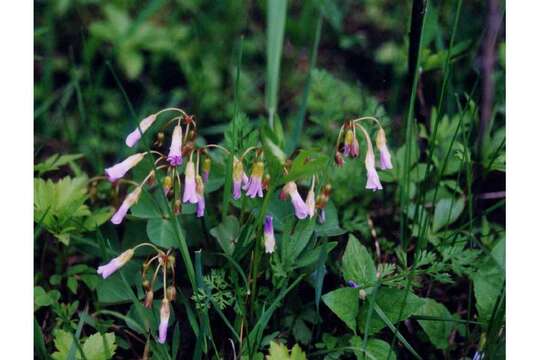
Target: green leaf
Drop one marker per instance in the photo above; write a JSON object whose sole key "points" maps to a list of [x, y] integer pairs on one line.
{"points": [[357, 264], [227, 233], [149, 207], [438, 331], [330, 227], [488, 282], [72, 284], [161, 232], [297, 353], [390, 300], [44, 298], [375, 349], [278, 352], [344, 303], [446, 212], [62, 343], [100, 347], [54, 162]]}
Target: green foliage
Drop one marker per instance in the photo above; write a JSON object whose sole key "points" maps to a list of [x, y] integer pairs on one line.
{"points": [[344, 303], [60, 207], [397, 305], [95, 347], [280, 352], [438, 329], [357, 264]]}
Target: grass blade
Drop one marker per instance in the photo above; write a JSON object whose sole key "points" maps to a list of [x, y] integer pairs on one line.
{"points": [[275, 25]]}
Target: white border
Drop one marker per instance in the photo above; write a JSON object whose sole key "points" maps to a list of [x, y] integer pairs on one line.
{"points": [[523, 178], [16, 189]]}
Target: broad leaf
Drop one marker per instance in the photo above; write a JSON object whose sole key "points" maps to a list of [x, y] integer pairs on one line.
{"points": [[344, 303], [358, 265], [391, 302], [438, 331]]}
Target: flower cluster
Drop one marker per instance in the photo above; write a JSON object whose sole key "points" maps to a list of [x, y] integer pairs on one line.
{"points": [[347, 145], [182, 146], [193, 163], [165, 263]]}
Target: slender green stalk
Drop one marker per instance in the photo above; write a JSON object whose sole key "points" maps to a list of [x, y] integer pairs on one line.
{"points": [[275, 28]]}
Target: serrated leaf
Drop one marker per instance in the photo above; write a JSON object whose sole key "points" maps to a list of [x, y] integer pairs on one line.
{"points": [[54, 162], [100, 347], [344, 303], [357, 264], [44, 298]]}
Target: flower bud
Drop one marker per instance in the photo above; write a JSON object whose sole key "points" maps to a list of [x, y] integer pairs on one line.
{"points": [[146, 285], [108, 269], [207, 164], [177, 206], [149, 299], [266, 181], [339, 159], [171, 293], [164, 314]]}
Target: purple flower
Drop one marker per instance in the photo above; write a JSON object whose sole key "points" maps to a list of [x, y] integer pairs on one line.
{"points": [[136, 135], [119, 170], [352, 284], [164, 314], [115, 264], [255, 182], [200, 196], [206, 169], [300, 208], [386, 158], [175, 151], [269, 239], [238, 177], [351, 146], [190, 192], [128, 202], [373, 182]]}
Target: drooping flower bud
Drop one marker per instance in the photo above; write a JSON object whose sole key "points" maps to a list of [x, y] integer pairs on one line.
{"points": [[300, 209], [200, 196], [266, 181], [269, 239], [108, 269], [171, 293], [238, 177], [167, 184], [321, 218], [339, 159], [207, 164], [351, 146], [177, 206], [190, 192], [149, 299], [128, 202], [255, 181], [164, 314], [136, 134], [386, 158], [175, 151], [119, 170], [373, 182]]}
